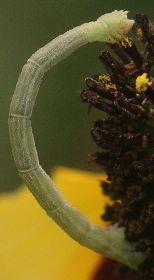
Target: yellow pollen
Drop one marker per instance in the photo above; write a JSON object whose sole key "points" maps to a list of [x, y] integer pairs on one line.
{"points": [[105, 78], [142, 83], [126, 42], [107, 83]]}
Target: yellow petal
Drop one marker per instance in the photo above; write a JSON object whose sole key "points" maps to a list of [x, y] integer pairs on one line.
{"points": [[33, 247]]}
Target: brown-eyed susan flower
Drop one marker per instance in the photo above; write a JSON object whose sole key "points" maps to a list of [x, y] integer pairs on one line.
{"points": [[125, 139]]}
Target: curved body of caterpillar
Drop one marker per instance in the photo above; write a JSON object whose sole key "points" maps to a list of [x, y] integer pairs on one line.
{"points": [[107, 241]]}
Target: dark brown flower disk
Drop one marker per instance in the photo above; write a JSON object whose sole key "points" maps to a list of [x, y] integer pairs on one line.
{"points": [[125, 137]]}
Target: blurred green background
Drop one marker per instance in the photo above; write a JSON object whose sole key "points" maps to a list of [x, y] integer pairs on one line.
{"points": [[61, 123]]}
